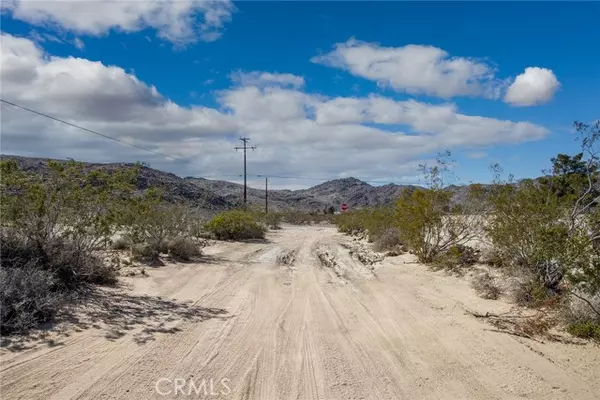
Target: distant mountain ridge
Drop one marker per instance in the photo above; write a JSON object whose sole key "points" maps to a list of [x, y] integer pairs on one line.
{"points": [[216, 195]]}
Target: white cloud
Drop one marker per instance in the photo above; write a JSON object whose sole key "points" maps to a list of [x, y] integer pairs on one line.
{"points": [[105, 97], [532, 87], [414, 69], [298, 134], [438, 123], [174, 20], [257, 78]]}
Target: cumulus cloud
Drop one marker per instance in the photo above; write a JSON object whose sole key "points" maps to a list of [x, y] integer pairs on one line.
{"points": [[98, 95], [298, 133], [177, 21], [257, 78], [532, 87], [414, 69]]}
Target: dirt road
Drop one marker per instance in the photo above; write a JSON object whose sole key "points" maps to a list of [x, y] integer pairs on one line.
{"points": [[294, 318]]}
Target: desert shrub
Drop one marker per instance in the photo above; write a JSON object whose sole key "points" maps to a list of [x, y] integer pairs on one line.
{"points": [[529, 291], [305, 218], [69, 201], [183, 249], [528, 231], [456, 256], [52, 225], [491, 257], [196, 226], [71, 265], [121, 243], [271, 220], [429, 223], [37, 278], [151, 221], [145, 252], [387, 239], [588, 330], [29, 297], [548, 228], [236, 225], [485, 286], [351, 222], [581, 310], [582, 316], [378, 223]]}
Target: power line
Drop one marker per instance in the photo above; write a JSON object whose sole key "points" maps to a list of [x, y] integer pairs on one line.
{"points": [[244, 140], [87, 130]]}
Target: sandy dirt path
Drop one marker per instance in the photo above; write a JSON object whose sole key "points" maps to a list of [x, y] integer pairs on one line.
{"points": [[272, 321]]}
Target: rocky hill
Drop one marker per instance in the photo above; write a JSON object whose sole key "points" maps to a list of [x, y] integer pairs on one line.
{"points": [[219, 195], [175, 188]]}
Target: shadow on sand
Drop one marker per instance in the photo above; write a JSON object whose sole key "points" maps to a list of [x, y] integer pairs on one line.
{"points": [[116, 314]]}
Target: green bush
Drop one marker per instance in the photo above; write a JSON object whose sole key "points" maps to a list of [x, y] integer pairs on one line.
{"points": [[305, 218], [236, 225], [69, 201], [548, 228], [183, 249], [352, 222], [430, 227], [430, 224], [151, 221], [588, 330], [528, 230], [271, 220]]}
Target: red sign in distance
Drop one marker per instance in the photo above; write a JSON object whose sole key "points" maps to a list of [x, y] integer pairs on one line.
{"points": [[344, 207]]}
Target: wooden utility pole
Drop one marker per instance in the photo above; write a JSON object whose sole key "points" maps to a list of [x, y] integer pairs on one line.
{"points": [[266, 192], [245, 147]]}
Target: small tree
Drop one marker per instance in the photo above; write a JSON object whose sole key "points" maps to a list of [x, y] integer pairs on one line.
{"points": [[427, 220]]}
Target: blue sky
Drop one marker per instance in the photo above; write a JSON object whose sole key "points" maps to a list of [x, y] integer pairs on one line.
{"points": [[279, 72]]}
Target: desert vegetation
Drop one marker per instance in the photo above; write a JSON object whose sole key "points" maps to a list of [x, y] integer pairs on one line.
{"points": [[541, 236], [58, 230], [236, 225]]}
